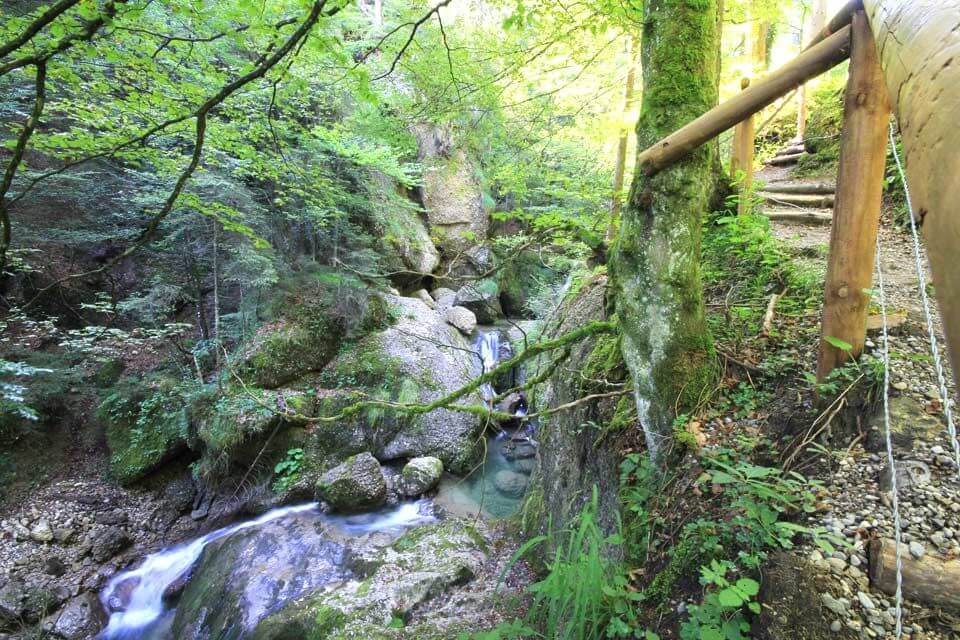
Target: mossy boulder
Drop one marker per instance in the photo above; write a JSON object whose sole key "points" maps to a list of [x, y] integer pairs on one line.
{"points": [[145, 426], [287, 349], [420, 475], [354, 485], [232, 426], [415, 361]]}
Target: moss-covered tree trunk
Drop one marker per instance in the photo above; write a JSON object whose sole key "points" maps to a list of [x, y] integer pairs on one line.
{"points": [[656, 263]]}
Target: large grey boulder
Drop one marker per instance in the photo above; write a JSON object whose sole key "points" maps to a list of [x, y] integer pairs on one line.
{"points": [[354, 485], [480, 297], [419, 359], [241, 579], [462, 318]]}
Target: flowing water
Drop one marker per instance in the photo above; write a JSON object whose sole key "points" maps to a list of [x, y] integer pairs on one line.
{"points": [[136, 597], [488, 348]]}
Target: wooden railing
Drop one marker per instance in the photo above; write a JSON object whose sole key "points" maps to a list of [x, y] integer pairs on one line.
{"points": [[907, 50]]}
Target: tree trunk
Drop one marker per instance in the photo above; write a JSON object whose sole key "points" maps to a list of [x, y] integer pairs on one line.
{"points": [[616, 202], [817, 22], [919, 46], [856, 211], [656, 261]]}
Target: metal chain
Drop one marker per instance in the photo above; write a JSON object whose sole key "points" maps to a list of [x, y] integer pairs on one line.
{"points": [[891, 463], [922, 281]]}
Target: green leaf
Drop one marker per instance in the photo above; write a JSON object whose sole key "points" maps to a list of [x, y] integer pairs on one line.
{"points": [[730, 598], [838, 343], [748, 586]]}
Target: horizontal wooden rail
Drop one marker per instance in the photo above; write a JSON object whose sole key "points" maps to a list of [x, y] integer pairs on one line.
{"points": [[812, 62]]}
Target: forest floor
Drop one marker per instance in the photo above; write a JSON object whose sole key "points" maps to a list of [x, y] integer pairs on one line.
{"points": [[853, 504]]}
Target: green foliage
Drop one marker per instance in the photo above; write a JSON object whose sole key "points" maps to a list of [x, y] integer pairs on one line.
{"points": [[14, 407], [145, 425], [584, 594], [720, 616], [287, 471]]}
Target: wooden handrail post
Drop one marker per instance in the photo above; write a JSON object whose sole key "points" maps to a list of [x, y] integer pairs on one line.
{"points": [[856, 211], [743, 141]]}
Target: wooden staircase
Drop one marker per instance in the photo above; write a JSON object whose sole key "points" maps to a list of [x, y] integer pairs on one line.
{"points": [[789, 200]]}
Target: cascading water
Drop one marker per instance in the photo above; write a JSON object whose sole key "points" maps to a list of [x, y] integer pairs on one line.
{"points": [[488, 348], [135, 598]]}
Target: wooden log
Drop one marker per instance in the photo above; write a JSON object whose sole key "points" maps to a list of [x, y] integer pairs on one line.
{"points": [[808, 64], [856, 213], [780, 161], [743, 139], [801, 216], [919, 48], [819, 201], [931, 580], [787, 151], [812, 188]]}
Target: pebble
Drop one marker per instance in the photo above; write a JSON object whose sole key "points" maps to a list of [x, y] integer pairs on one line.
{"points": [[836, 626], [833, 604], [917, 550], [865, 600]]}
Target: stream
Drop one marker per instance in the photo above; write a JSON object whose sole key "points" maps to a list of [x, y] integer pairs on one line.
{"points": [[141, 601], [136, 598]]}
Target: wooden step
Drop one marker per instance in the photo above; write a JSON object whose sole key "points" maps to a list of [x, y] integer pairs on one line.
{"points": [[779, 161], [824, 201], [807, 188], [803, 216], [791, 150]]}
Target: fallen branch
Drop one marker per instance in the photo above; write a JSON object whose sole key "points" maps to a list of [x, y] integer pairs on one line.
{"points": [[767, 325]]}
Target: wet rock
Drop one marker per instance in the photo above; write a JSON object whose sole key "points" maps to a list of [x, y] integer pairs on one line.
{"points": [[119, 598], [420, 566], [106, 542], [518, 450], [481, 297], [525, 466], [244, 577], [179, 494], [354, 485], [511, 483], [420, 475], [81, 618], [462, 318], [175, 589]]}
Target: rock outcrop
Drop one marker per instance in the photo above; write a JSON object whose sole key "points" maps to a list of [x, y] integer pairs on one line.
{"points": [[480, 297]]}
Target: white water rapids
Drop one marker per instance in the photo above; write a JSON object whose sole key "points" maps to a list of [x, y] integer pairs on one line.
{"points": [[135, 597]]}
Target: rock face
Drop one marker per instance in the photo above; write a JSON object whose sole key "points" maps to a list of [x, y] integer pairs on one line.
{"points": [[242, 579], [286, 350], [462, 318], [420, 475], [570, 458], [451, 192], [480, 297], [354, 485], [419, 566]]}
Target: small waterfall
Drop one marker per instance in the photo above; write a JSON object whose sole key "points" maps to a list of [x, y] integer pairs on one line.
{"points": [[488, 348], [135, 597]]}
